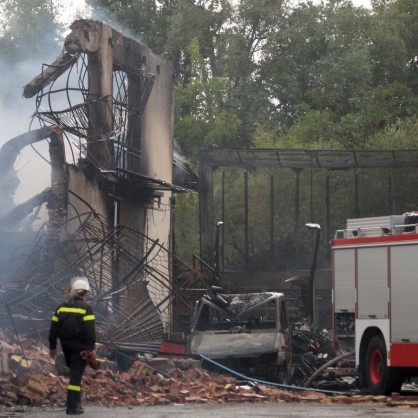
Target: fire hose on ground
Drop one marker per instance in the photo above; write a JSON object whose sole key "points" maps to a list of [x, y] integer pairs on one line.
{"points": [[326, 365], [289, 387]]}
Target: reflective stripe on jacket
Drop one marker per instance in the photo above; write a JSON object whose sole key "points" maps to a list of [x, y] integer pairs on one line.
{"points": [[73, 323]]}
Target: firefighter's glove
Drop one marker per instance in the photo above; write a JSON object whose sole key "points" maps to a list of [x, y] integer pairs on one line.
{"points": [[90, 358], [52, 353]]}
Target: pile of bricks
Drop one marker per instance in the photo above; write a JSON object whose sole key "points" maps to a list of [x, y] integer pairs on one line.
{"points": [[33, 379]]}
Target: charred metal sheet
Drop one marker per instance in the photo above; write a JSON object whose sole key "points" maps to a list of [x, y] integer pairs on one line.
{"points": [[235, 343], [299, 159], [249, 331]]}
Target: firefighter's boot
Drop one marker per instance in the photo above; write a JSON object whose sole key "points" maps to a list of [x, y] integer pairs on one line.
{"points": [[79, 407], [73, 403]]}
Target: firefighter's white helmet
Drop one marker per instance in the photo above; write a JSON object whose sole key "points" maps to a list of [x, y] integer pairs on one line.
{"points": [[80, 283]]}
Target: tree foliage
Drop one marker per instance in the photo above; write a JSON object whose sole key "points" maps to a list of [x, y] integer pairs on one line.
{"points": [[29, 32], [327, 74], [307, 74], [265, 73], [27, 28]]}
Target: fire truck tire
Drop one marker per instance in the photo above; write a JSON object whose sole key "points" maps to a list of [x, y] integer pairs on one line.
{"points": [[380, 378]]}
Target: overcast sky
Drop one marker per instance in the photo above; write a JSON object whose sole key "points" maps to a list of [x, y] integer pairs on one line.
{"points": [[365, 3]]}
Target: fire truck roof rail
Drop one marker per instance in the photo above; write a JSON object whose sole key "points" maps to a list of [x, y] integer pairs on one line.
{"points": [[376, 231]]}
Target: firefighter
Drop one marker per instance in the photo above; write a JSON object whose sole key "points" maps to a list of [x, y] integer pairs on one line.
{"points": [[73, 323]]}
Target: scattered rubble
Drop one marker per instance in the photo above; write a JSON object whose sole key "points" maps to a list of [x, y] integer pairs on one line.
{"points": [[30, 378]]}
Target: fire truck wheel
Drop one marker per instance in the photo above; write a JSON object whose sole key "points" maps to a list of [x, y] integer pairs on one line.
{"points": [[380, 379]]}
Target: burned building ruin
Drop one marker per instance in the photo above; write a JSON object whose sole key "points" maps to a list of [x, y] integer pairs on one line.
{"points": [[105, 107], [272, 193]]}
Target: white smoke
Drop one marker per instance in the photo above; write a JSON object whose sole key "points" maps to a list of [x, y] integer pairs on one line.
{"points": [[16, 111], [15, 117]]}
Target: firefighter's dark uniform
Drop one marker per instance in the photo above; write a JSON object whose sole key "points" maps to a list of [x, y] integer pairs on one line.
{"points": [[73, 323]]}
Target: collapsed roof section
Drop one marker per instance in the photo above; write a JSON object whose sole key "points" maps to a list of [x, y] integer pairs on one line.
{"points": [[309, 158], [91, 250]]}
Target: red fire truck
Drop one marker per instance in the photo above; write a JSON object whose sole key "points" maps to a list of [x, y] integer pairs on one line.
{"points": [[375, 298]]}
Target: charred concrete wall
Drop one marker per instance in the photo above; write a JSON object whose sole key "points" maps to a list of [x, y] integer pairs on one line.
{"points": [[84, 194], [157, 151], [149, 131]]}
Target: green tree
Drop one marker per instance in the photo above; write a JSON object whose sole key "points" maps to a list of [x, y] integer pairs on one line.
{"points": [[27, 28], [287, 57], [279, 73], [202, 20], [29, 31], [252, 24], [338, 74], [145, 20], [168, 26], [406, 11], [187, 226], [208, 123]]}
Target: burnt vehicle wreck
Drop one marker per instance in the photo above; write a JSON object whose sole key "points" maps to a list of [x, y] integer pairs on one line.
{"points": [[248, 332]]}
